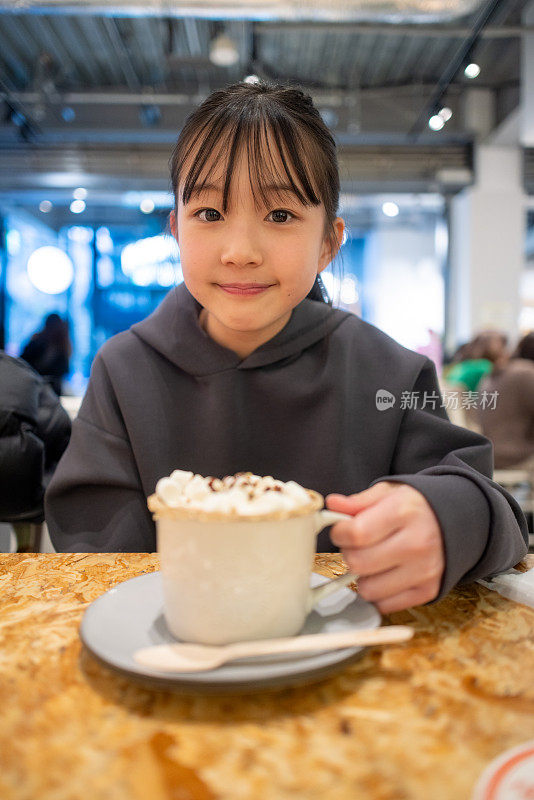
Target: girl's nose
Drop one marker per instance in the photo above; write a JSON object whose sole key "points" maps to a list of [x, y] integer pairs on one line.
{"points": [[241, 247]]}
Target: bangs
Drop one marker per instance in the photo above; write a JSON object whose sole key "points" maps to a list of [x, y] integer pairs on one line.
{"points": [[273, 148]]}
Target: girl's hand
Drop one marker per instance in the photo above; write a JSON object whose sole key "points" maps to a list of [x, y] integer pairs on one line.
{"points": [[393, 544]]}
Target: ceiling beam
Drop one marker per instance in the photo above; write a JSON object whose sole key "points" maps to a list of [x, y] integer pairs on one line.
{"points": [[394, 29], [111, 98]]}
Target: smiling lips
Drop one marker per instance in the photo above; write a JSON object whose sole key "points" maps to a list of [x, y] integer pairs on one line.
{"points": [[245, 289]]}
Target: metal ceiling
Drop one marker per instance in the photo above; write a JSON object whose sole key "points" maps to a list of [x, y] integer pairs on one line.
{"points": [[104, 96], [61, 53]]}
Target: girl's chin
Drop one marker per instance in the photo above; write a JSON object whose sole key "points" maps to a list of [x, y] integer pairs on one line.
{"points": [[244, 325]]}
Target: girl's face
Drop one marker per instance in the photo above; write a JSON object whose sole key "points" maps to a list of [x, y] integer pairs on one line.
{"points": [[250, 267]]}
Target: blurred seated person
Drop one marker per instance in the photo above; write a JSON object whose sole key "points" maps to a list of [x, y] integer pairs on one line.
{"points": [[34, 432], [49, 350], [469, 365], [475, 359], [509, 421]]}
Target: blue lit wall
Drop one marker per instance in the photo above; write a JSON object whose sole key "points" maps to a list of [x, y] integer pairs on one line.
{"points": [[122, 273]]}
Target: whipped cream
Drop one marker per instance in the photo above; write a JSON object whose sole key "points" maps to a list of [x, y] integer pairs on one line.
{"points": [[243, 493]]}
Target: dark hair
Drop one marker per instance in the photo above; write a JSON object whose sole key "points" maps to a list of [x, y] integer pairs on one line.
{"points": [[462, 353], [490, 345], [525, 348], [56, 332], [242, 115], [53, 322]]}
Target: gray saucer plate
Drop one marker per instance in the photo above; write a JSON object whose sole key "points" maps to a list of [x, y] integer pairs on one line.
{"points": [[130, 616]]}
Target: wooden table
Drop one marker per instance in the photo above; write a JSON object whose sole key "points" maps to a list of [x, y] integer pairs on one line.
{"points": [[419, 720]]}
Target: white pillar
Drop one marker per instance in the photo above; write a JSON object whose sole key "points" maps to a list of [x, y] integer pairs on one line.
{"points": [[478, 110], [527, 80], [487, 247]]}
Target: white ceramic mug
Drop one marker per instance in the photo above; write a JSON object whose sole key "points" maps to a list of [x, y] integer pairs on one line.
{"points": [[234, 580]]}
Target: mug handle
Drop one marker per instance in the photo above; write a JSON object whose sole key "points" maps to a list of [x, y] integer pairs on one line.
{"points": [[316, 594]]}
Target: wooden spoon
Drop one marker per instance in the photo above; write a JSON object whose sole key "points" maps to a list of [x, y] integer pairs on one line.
{"points": [[186, 657]]}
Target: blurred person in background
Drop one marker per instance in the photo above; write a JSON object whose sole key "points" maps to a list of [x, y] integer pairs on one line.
{"points": [[470, 363], [49, 351], [477, 358], [509, 422]]}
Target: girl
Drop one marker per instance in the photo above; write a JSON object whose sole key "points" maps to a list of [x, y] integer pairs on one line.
{"points": [[244, 367]]}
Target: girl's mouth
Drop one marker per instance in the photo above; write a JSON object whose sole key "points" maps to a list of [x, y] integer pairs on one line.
{"points": [[243, 289]]}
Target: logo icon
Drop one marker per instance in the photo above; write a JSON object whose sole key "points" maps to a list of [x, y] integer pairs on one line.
{"points": [[384, 399]]}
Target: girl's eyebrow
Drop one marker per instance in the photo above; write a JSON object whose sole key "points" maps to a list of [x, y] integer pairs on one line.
{"points": [[279, 188]]}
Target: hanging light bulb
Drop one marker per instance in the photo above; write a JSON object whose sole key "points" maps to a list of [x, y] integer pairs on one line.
{"points": [[223, 51], [472, 71], [436, 123]]}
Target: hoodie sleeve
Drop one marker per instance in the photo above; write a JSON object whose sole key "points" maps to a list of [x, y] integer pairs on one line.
{"points": [[95, 501], [484, 530]]}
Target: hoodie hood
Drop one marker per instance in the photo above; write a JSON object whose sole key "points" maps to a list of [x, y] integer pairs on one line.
{"points": [[176, 320]]}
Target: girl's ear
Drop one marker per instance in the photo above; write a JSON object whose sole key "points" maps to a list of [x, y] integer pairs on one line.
{"points": [[327, 253], [172, 222]]}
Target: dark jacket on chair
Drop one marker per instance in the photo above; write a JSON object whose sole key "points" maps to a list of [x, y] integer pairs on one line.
{"points": [[34, 432]]}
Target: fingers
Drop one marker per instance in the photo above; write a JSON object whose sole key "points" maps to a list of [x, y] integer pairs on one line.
{"points": [[414, 596], [371, 525], [377, 558], [397, 581], [418, 546], [354, 503], [393, 542], [414, 578]]}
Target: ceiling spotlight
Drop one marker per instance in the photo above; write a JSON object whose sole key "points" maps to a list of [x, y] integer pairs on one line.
{"points": [[436, 122], [223, 51], [77, 206], [80, 194], [45, 206], [390, 209], [445, 114], [147, 205], [472, 71]]}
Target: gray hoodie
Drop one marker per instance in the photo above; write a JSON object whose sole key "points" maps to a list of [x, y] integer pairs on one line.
{"points": [[302, 407]]}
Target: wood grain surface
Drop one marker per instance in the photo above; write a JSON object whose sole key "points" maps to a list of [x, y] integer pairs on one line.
{"points": [[417, 721]]}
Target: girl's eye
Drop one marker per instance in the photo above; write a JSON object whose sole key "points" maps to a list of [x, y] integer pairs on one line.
{"points": [[280, 215], [207, 211], [284, 214]]}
